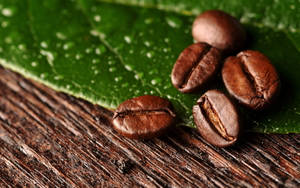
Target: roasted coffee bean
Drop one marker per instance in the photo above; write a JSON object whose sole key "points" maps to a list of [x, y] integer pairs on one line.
{"points": [[251, 79], [217, 119], [196, 65], [143, 117], [220, 30]]}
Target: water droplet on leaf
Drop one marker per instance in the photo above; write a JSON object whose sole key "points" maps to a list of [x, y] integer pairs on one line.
{"points": [[97, 18], [174, 22], [44, 44], [7, 12], [127, 39], [34, 64]]}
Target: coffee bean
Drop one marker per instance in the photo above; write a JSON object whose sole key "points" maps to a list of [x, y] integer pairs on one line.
{"points": [[143, 117], [196, 65], [217, 119], [251, 79], [220, 30]]}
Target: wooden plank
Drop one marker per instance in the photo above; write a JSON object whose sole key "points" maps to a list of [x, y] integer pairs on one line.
{"points": [[52, 139]]}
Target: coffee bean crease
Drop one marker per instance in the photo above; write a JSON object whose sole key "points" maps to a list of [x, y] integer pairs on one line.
{"points": [[214, 121], [195, 65], [251, 79], [144, 112]]}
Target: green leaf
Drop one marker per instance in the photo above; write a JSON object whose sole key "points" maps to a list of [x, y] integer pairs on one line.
{"points": [[107, 52]]}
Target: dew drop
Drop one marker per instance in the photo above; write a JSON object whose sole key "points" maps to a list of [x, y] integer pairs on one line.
{"points": [[92, 81], [100, 50], [97, 18], [44, 44], [112, 69], [128, 67], [58, 77], [88, 50], [127, 39], [43, 75], [96, 33], [147, 43], [96, 72], [137, 92], [34, 64], [148, 20], [155, 81], [174, 22], [293, 29], [22, 47], [95, 61], [49, 55], [149, 54], [68, 45], [4, 24], [139, 75], [61, 36], [8, 40], [280, 26], [119, 78], [292, 7], [166, 86], [78, 56], [7, 12]]}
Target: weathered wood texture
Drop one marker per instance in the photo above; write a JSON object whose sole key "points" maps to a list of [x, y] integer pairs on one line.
{"points": [[51, 139]]}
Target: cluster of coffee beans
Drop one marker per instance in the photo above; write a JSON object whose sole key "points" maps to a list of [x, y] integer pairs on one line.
{"points": [[249, 77]]}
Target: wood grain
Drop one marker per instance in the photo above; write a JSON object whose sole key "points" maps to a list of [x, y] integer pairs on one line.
{"points": [[50, 139]]}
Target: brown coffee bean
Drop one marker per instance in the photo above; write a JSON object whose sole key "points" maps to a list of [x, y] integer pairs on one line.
{"points": [[220, 30], [251, 79], [217, 119], [143, 117], [196, 65]]}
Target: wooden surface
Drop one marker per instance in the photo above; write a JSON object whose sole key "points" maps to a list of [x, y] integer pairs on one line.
{"points": [[51, 139]]}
